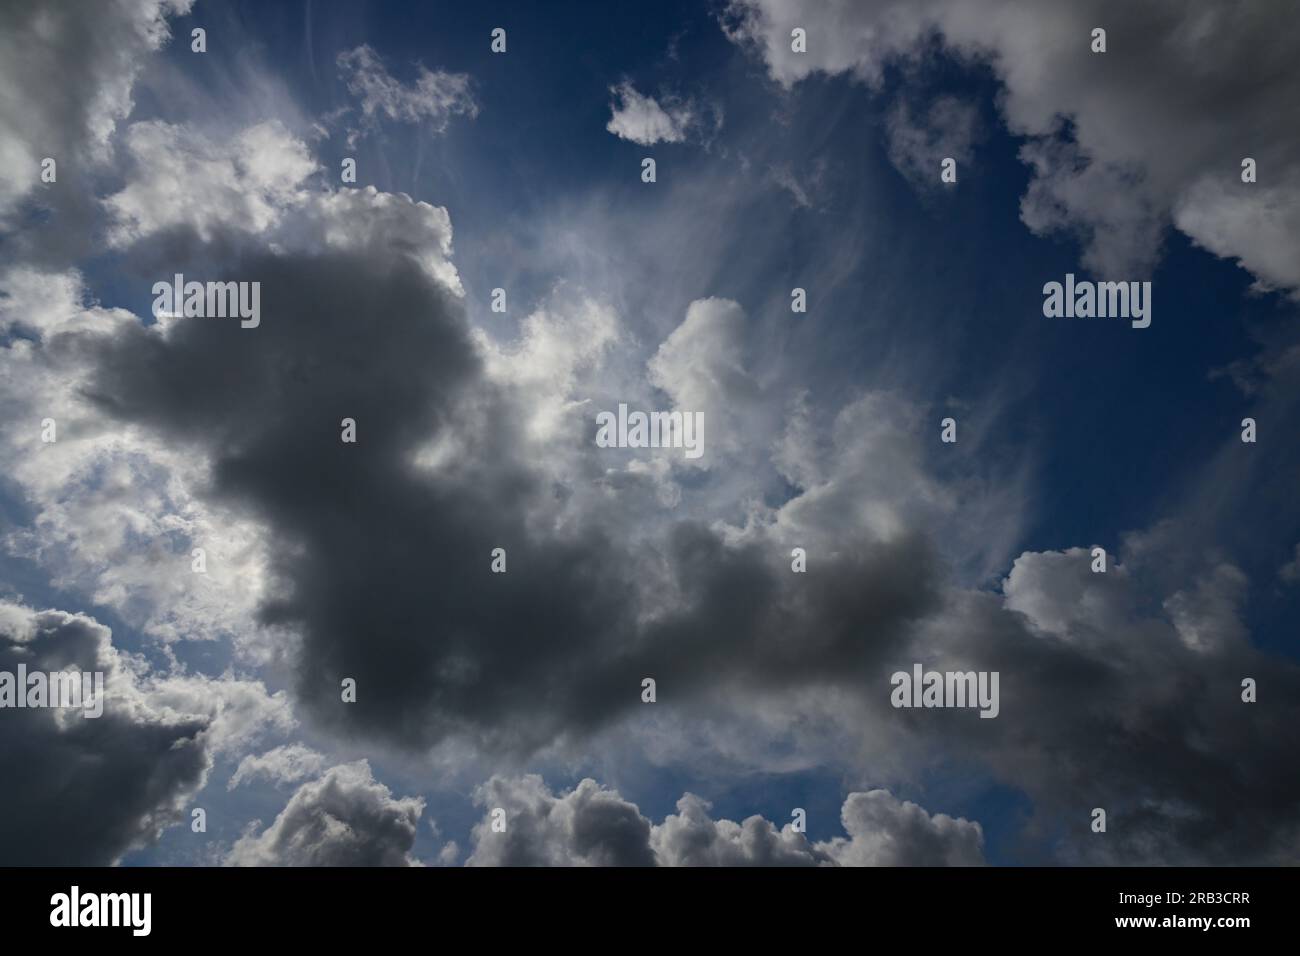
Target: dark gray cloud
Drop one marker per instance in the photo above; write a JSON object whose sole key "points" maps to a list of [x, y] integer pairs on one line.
{"points": [[1116, 694], [387, 569], [385, 564], [79, 790]]}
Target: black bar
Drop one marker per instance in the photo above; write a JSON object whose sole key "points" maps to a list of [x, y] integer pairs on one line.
{"points": [[620, 906]]}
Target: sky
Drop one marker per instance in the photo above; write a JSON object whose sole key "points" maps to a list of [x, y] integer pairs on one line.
{"points": [[903, 460]]}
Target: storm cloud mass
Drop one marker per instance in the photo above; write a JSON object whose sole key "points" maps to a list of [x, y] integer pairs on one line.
{"points": [[352, 650]]}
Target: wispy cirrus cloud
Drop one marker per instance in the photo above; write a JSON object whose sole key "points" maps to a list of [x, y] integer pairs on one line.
{"points": [[432, 100]]}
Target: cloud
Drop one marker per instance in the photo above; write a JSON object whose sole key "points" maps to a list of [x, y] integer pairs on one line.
{"points": [[181, 178], [918, 145], [115, 514], [886, 831], [434, 98], [692, 838], [1116, 158], [185, 186], [569, 336], [1289, 573], [1121, 694], [286, 764], [239, 711], [372, 222], [641, 119], [805, 190], [591, 825], [701, 367], [75, 74], [83, 791], [1258, 228], [346, 818]]}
